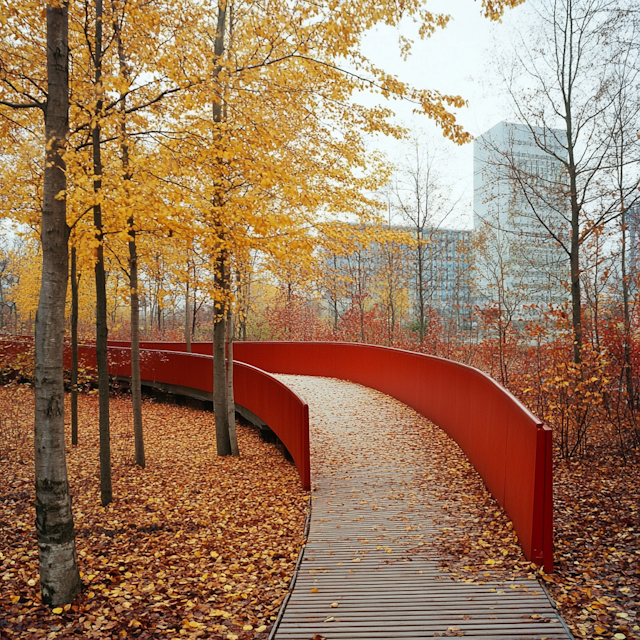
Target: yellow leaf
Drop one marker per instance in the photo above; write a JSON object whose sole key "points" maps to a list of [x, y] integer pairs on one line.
{"points": [[261, 628], [247, 627], [334, 604], [58, 610], [314, 590]]}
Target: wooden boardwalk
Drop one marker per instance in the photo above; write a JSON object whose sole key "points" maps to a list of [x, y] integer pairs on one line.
{"points": [[367, 571]]}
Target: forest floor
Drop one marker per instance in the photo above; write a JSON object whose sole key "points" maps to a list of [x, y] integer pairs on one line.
{"points": [[195, 545]]}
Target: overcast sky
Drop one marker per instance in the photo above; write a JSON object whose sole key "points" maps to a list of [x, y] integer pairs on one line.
{"points": [[454, 61]]}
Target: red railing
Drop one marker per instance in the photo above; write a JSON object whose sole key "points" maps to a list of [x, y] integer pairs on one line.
{"points": [[286, 413], [509, 447]]}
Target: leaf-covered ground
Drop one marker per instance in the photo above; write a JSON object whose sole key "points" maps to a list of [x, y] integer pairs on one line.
{"points": [[197, 545], [596, 582], [193, 545]]}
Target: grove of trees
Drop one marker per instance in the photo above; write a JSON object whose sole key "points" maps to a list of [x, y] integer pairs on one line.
{"points": [[152, 138], [199, 171]]}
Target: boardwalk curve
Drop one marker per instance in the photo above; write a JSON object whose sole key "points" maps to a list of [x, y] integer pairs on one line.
{"points": [[368, 570], [509, 447]]}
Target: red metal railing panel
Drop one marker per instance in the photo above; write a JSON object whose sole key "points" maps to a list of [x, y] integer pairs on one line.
{"points": [[509, 446], [547, 527], [506, 443]]}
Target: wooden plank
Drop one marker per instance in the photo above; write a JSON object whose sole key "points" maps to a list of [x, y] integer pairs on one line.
{"points": [[368, 549]]}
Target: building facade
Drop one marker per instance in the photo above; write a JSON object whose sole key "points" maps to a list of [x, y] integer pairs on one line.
{"points": [[446, 269], [520, 217], [432, 271]]}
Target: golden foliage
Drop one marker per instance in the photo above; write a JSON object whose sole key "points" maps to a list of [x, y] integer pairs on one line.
{"points": [[287, 153]]}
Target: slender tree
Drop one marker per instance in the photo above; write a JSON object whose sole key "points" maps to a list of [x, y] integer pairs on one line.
{"points": [[102, 331], [75, 281], [625, 159], [59, 576], [132, 272], [187, 306], [421, 198], [221, 268]]}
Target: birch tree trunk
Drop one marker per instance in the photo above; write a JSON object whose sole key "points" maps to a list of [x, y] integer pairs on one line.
{"points": [[58, 563]]}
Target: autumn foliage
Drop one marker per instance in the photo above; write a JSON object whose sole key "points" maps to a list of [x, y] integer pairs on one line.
{"points": [[220, 149]]}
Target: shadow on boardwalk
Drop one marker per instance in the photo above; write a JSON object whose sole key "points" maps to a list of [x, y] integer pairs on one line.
{"points": [[370, 568]]}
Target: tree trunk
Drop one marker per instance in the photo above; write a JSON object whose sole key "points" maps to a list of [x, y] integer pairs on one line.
{"points": [[627, 319], [335, 299], [574, 257], [220, 407], [136, 386], [420, 286], [187, 315], [231, 406], [106, 494], [221, 278], [136, 383], [194, 315], [58, 563], [576, 294], [74, 347]]}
